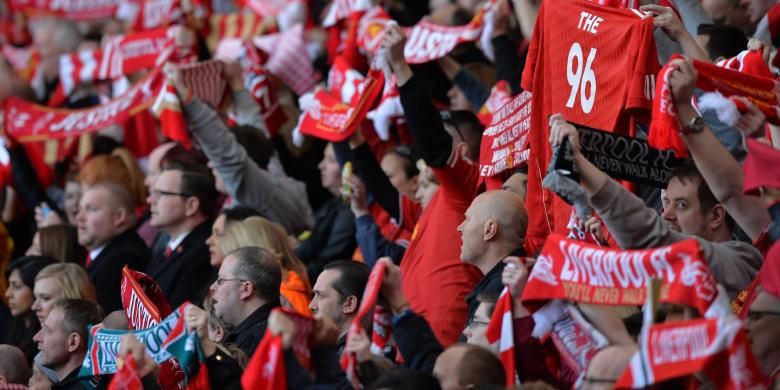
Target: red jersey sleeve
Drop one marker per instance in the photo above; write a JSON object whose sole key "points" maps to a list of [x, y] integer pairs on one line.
{"points": [[458, 179]]}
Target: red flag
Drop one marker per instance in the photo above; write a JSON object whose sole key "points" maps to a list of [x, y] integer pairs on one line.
{"points": [[127, 377], [501, 336], [168, 109]]}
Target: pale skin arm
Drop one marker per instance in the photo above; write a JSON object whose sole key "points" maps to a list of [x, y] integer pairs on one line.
{"points": [[717, 166], [526, 11], [665, 18]]}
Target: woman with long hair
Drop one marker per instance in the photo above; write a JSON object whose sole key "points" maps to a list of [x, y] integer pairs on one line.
{"points": [[260, 232]]}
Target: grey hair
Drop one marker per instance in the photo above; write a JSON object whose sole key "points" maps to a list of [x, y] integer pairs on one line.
{"points": [[260, 267]]}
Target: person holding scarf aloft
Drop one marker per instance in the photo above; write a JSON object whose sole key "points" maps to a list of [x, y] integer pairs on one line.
{"points": [[690, 211]]}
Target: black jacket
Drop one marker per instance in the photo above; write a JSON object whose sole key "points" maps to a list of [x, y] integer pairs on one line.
{"points": [[332, 238], [416, 341], [186, 274], [106, 269], [490, 283], [73, 382], [248, 334]]}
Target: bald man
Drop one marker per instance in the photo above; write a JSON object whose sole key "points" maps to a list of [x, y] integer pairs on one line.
{"points": [[494, 228], [468, 366], [13, 366]]}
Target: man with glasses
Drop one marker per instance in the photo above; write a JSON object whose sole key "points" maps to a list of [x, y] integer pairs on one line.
{"points": [[182, 202], [245, 292], [106, 221]]}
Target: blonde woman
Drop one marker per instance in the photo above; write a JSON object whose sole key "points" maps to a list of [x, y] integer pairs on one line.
{"points": [[57, 281], [258, 231]]}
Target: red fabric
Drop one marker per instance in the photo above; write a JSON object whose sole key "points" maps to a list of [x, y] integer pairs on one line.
{"points": [[260, 85], [773, 17], [367, 304], [430, 266], [143, 300], [266, 370], [141, 135], [167, 107], [624, 66], [664, 133], [79, 10], [288, 59], [500, 95], [573, 270], [127, 377], [759, 157], [399, 232], [770, 271], [504, 144], [500, 334]]}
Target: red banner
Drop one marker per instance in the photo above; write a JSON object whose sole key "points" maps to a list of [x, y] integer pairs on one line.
{"points": [[568, 269], [68, 9], [500, 95], [28, 122], [505, 142], [142, 311], [330, 119]]}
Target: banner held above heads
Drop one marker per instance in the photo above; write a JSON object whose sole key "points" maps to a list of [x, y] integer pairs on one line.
{"points": [[426, 41], [504, 144], [288, 59], [78, 10], [330, 119], [568, 269]]}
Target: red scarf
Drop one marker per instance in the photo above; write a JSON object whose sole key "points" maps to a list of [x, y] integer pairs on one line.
{"points": [[330, 119], [288, 59], [121, 56], [504, 144], [501, 335], [266, 369], [761, 91], [426, 41], [370, 295], [580, 272], [127, 377], [717, 347], [500, 95], [69, 9], [143, 299]]}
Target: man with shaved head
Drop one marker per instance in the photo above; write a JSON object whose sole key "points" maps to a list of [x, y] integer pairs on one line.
{"points": [[106, 228], [468, 366], [494, 228], [13, 366]]}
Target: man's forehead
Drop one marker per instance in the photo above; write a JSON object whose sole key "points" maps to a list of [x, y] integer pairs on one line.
{"points": [[327, 279]]}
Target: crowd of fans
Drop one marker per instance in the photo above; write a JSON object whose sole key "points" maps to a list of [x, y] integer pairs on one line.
{"points": [[247, 220]]}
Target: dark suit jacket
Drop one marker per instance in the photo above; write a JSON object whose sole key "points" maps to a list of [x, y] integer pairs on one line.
{"points": [[184, 276], [106, 270]]}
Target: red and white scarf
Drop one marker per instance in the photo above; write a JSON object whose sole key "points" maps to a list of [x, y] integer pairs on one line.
{"points": [[341, 9], [501, 335], [69, 9], [761, 91], [288, 59], [579, 272], [426, 41], [367, 305], [500, 95], [504, 144], [122, 55], [328, 118], [237, 25], [716, 346], [266, 369]]}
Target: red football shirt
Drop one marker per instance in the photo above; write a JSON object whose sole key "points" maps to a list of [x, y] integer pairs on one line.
{"points": [[596, 65], [435, 281]]}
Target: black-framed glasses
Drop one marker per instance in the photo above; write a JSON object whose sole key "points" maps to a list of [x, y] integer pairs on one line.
{"points": [[755, 315], [220, 281], [160, 193]]}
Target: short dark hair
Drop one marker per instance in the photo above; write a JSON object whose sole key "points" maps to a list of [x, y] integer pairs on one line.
{"points": [[687, 171], [480, 366], [198, 181], [179, 155], [28, 267], [258, 147], [402, 378], [725, 41], [239, 213], [468, 126], [407, 154], [260, 267], [489, 297], [13, 364], [353, 277], [78, 314]]}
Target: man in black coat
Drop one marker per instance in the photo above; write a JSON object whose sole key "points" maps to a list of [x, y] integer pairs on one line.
{"points": [[106, 222], [182, 200], [245, 292], [493, 229]]}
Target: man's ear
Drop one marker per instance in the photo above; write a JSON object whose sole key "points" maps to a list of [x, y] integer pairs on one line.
{"points": [[246, 291], [191, 206], [489, 229], [120, 216], [350, 305], [74, 341], [716, 217]]}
